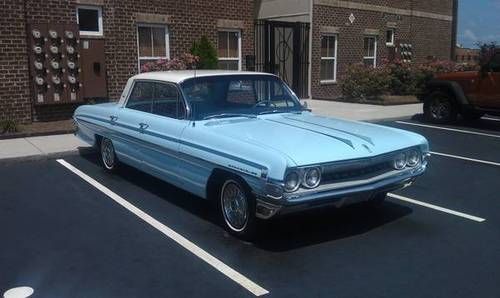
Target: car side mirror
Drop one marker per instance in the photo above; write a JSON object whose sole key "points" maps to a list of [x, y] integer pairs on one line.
{"points": [[304, 105]]}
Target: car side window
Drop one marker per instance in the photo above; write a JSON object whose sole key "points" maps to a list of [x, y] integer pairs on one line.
{"points": [[167, 101], [141, 98], [495, 63]]}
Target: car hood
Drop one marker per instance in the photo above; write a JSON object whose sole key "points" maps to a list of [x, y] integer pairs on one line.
{"points": [[307, 139]]}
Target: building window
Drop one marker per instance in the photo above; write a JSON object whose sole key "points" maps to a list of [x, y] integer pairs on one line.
{"points": [[389, 39], [89, 20], [229, 49], [153, 43], [328, 58], [370, 51]]}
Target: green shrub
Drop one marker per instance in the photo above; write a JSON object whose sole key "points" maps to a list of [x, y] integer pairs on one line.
{"points": [[206, 52], [393, 78], [364, 82], [402, 78], [8, 126]]}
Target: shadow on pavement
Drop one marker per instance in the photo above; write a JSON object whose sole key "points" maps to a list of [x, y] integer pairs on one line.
{"points": [[310, 228], [283, 233]]}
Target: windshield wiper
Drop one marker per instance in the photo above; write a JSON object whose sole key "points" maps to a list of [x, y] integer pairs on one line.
{"points": [[228, 115]]}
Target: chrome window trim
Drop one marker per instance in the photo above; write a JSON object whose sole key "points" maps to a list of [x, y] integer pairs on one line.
{"points": [[179, 91]]}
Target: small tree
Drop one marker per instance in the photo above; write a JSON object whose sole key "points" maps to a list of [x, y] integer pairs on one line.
{"points": [[206, 52], [486, 52]]}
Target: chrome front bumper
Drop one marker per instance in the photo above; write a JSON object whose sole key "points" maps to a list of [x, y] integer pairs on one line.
{"points": [[338, 194]]}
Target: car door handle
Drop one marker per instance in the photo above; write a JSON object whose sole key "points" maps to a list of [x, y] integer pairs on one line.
{"points": [[143, 126], [113, 118]]}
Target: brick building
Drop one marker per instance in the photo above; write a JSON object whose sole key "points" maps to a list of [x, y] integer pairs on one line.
{"points": [[57, 54], [467, 56]]}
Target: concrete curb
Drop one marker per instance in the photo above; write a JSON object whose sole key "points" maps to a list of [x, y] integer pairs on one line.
{"points": [[376, 121], [50, 156]]}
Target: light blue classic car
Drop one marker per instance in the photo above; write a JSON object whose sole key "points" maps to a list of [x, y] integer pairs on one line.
{"points": [[244, 140]]}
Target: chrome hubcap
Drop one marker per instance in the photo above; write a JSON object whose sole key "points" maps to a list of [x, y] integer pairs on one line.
{"points": [[440, 108], [234, 206], [107, 153]]}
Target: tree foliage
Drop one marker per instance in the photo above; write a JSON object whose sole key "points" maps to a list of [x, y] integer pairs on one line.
{"points": [[206, 52]]}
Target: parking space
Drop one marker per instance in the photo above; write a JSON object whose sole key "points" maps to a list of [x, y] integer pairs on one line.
{"points": [[128, 234]]}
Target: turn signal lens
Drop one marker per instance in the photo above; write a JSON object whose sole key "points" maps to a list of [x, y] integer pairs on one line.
{"points": [[292, 182], [312, 178], [400, 161]]}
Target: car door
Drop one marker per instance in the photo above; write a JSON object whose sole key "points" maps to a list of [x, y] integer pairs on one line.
{"points": [[489, 87], [128, 121], [161, 131]]}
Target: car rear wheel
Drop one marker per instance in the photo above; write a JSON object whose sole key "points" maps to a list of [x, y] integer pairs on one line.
{"points": [[237, 208], [439, 108], [108, 155]]}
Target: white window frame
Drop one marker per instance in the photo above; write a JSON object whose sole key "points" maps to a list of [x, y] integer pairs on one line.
{"points": [[99, 20], [374, 57], [239, 46], [393, 35], [331, 58], [167, 44]]}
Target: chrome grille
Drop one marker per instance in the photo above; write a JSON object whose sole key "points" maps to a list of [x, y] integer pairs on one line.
{"points": [[357, 169], [355, 173]]}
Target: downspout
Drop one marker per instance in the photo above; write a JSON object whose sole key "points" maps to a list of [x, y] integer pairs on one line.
{"points": [[311, 6], [454, 30]]}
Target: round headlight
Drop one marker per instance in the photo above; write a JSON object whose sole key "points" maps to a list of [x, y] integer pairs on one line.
{"points": [[292, 182], [400, 161], [412, 158], [312, 178]]}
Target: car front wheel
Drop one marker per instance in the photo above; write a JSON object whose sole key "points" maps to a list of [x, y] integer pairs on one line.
{"points": [[439, 108], [237, 207], [108, 155]]}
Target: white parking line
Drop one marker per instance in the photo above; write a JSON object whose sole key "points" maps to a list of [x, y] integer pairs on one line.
{"points": [[450, 129], [467, 159], [190, 246], [438, 208], [491, 119]]}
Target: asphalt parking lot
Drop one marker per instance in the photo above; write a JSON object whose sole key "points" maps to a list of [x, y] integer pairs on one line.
{"points": [[69, 229]]}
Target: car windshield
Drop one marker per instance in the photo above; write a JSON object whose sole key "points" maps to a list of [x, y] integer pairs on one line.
{"points": [[238, 95]]}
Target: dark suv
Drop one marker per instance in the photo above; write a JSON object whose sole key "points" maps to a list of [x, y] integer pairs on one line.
{"points": [[470, 94]]}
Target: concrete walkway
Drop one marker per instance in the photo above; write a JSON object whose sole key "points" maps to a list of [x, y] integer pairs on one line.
{"points": [[40, 147], [62, 145], [363, 112]]}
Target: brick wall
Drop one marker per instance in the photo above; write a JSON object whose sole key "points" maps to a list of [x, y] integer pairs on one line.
{"points": [[188, 21], [14, 85], [429, 37]]}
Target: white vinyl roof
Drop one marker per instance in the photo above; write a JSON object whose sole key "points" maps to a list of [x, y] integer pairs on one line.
{"points": [[177, 76]]}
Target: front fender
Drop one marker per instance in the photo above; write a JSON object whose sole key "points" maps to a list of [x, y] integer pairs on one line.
{"points": [[449, 86]]}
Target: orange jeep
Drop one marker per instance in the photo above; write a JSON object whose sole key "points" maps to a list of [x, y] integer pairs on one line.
{"points": [[470, 94]]}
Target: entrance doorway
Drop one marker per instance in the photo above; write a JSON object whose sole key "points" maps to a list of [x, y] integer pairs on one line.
{"points": [[282, 48]]}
